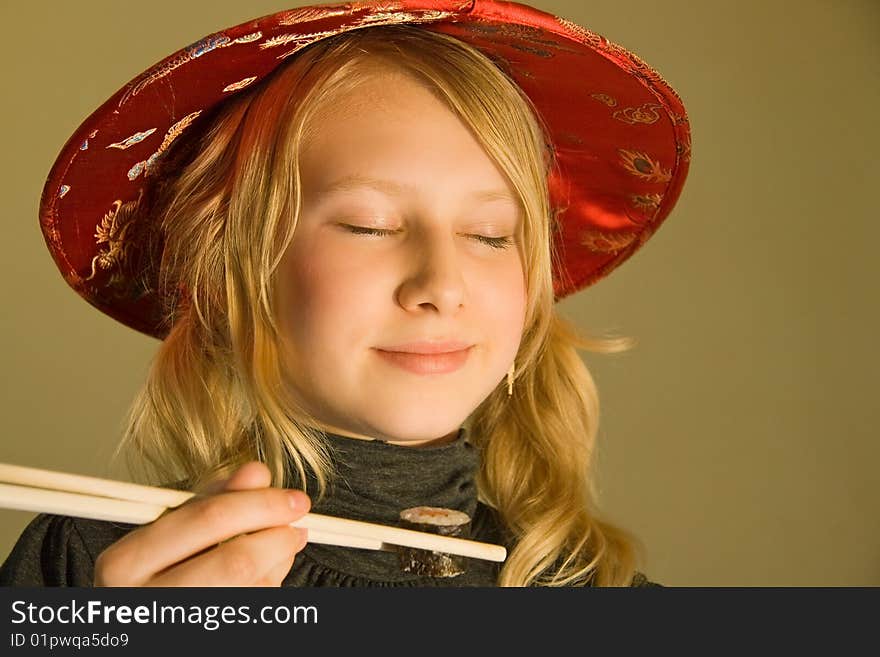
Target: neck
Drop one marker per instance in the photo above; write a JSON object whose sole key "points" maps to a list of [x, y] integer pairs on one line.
{"points": [[392, 440]]}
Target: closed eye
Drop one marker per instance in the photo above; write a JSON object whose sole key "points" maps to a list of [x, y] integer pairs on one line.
{"points": [[494, 242]]}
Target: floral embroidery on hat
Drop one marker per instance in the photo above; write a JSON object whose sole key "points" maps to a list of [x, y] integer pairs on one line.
{"points": [[174, 131], [158, 72], [588, 37], [605, 99], [532, 50], [515, 34], [207, 44], [309, 14], [241, 84], [85, 145], [136, 138], [394, 16], [603, 242], [136, 170], [683, 148], [647, 113], [302, 40], [249, 38], [63, 191], [636, 64], [646, 202], [111, 231], [382, 16], [644, 166], [299, 39]]}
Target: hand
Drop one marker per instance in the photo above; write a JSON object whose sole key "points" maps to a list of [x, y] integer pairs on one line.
{"points": [[237, 535]]}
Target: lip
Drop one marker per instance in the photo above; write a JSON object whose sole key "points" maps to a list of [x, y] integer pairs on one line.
{"points": [[428, 347], [444, 362]]}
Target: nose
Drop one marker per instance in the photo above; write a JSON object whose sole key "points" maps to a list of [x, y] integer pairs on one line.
{"points": [[435, 279]]}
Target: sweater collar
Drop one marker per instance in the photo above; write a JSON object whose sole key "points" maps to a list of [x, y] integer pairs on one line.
{"points": [[376, 480]]}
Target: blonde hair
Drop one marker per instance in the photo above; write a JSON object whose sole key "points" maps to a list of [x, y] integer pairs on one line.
{"points": [[214, 397]]}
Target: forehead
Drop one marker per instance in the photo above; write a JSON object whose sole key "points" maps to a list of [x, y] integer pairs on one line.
{"points": [[374, 84], [392, 133]]}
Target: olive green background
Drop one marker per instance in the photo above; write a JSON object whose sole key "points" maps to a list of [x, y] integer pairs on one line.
{"points": [[739, 438]]}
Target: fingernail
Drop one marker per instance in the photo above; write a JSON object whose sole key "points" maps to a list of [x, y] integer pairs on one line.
{"points": [[298, 500]]}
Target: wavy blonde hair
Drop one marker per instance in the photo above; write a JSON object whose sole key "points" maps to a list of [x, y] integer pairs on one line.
{"points": [[215, 398]]}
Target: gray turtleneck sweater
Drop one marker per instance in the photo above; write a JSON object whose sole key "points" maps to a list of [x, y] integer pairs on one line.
{"points": [[375, 481]]}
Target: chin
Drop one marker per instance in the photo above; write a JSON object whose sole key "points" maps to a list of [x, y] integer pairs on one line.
{"points": [[419, 426]]}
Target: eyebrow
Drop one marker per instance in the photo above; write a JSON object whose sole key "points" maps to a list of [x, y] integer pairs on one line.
{"points": [[391, 188]]}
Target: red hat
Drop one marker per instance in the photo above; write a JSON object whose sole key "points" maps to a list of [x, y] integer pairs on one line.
{"points": [[620, 135]]}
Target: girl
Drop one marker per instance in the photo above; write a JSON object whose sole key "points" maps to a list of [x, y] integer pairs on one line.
{"points": [[349, 225]]}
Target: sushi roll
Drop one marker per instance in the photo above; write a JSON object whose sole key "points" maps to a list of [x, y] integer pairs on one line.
{"points": [[436, 520]]}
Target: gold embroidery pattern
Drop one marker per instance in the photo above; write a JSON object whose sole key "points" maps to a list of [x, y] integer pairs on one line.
{"points": [[175, 130], [605, 99], [370, 6], [602, 242], [63, 191], [504, 64], [683, 148], [531, 50], [636, 64], [85, 144], [536, 41], [136, 138], [54, 236], [111, 231], [385, 15], [647, 113], [305, 39], [308, 14], [145, 166], [249, 38], [395, 17], [241, 84], [300, 39], [194, 51], [590, 38], [647, 203], [641, 165]]}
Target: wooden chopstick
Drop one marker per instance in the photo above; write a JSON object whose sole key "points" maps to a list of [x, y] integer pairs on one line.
{"points": [[46, 491], [72, 483], [43, 500]]}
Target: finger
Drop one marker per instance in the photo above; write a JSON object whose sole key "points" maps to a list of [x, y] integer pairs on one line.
{"points": [[250, 475], [276, 575], [252, 560], [196, 526]]}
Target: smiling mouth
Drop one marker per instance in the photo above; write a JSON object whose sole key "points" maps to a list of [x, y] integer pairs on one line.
{"points": [[426, 364]]}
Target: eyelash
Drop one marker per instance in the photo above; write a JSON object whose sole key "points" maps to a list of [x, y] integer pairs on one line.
{"points": [[494, 242]]}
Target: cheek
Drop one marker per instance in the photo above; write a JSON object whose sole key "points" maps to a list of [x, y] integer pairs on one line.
{"points": [[326, 302], [503, 299]]}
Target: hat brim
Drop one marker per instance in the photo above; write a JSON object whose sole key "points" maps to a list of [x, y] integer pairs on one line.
{"points": [[620, 135]]}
